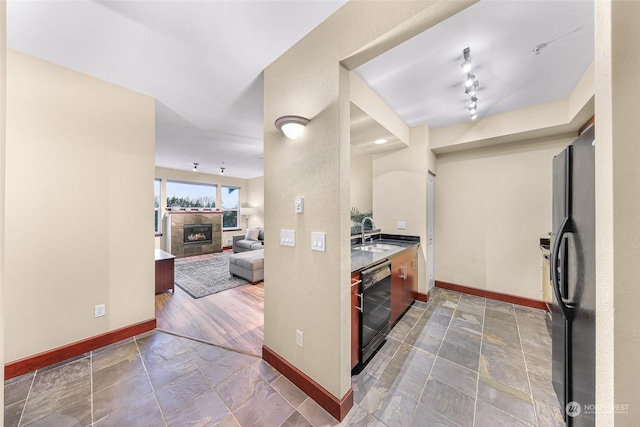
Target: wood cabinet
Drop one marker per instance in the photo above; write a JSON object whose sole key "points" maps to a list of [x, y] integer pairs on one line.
{"points": [[404, 282], [355, 319], [165, 271]]}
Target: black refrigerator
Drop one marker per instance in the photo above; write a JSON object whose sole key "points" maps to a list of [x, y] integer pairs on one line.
{"points": [[573, 281]]}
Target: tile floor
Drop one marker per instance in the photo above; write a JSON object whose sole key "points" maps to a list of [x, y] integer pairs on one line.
{"points": [[457, 361]]}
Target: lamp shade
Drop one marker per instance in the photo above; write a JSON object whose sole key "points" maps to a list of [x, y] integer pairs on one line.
{"points": [[291, 126], [246, 211]]}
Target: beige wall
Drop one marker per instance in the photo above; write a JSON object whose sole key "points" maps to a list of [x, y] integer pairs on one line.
{"points": [[617, 213], [400, 194], [189, 176], [79, 171], [309, 291], [491, 207], [3, 88], [362, 182], [255, 200]]}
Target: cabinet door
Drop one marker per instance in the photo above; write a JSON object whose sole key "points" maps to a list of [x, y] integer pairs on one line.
{"points": [[397, 285], [355, 320], [410, 287]]}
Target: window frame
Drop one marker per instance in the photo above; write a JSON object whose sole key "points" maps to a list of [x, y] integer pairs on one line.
{"points": [[237, 226], [157, 185]]}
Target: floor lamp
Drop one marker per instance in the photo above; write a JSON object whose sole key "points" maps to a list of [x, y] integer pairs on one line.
{"points": [[246, 212]]}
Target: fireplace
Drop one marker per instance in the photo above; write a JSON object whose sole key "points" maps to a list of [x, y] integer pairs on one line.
{"points": [[197, 234]]}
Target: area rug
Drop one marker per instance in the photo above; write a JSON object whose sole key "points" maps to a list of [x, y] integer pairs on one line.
{"points": [[206, 275]]}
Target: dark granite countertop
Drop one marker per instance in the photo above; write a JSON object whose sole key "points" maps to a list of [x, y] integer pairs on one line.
{"points": [[363, 259]]}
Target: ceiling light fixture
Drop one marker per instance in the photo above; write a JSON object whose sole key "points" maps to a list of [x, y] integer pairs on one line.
{"points": [[195, 166], [466, 65], [471, 84], [381, 141], [471, 91], [471, 79], [221, 171], [291, 126]]}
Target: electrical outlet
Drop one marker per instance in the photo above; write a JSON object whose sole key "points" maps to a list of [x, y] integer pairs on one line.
{"points": [[99, 310], [401, 225], [300, 338]]}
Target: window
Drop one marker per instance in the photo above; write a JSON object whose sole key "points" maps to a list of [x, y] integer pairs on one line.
{"points": [[191, 195], [230, 206], [156, 190]]}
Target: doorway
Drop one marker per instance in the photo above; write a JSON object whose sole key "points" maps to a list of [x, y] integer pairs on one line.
{"points": [[430, 246]]}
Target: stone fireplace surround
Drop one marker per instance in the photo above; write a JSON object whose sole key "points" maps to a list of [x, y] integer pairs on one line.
{"points": [[176, 222]]}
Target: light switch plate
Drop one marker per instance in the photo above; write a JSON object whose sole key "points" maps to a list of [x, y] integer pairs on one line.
{"points": [[401, 225], [299, 204], [317, 241], [287, 237]]}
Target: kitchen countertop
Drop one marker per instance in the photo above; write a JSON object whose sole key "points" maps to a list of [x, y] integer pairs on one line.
{"points": [[362, 259]]}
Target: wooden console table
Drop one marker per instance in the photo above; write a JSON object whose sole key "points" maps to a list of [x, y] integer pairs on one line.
{"points": [[165, 271]]}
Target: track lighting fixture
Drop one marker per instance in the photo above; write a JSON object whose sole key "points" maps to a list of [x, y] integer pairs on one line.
{"points": [[470, 84]]}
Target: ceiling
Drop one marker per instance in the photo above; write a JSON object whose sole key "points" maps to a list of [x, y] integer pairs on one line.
{"points": [[423, 82], [202, 61]]}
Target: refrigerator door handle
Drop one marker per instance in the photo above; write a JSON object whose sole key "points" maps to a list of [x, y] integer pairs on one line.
{"points": [[555, 274]]}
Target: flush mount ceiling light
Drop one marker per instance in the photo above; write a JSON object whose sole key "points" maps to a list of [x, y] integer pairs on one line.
{"points": [[381, 141], [470, 84], [291, 126], [195, 166]]}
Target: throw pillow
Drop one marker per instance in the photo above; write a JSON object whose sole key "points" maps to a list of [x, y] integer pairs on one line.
{"points": [[252, 234], [261, 234]]}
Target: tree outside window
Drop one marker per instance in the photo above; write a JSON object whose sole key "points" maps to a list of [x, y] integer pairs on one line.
{"points": [[191, 195], [230, 207]]}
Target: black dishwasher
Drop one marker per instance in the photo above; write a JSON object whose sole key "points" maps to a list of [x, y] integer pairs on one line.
{"points": [[376, 309]]}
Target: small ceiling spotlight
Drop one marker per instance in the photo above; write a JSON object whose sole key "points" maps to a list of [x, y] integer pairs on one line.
{"points": [[381, 141], [471, 91], [291, 126], [221, 171], [466, 65], [471, 84], [471, 80], [195, 166]]}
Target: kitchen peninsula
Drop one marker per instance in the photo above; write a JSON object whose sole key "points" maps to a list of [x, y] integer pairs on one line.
{"points": [[383, 286]]}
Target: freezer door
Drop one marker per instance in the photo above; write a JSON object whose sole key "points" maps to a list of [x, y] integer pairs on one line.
{"points": [[581, 281], [573, 272], [560, 326]]}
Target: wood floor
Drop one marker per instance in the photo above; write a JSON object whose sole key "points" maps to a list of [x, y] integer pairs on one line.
{"points": [[233, 318]]}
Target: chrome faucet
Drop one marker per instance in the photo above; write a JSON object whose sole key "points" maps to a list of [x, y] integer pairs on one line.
{"points": [[373, 226]]}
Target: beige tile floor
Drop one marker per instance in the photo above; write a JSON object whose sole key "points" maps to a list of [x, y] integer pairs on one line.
{"points": [[458, 361]]}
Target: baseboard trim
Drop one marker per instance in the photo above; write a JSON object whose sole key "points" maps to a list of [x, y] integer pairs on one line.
{"points": [[420, 296], [337, 408], [527, 302], [56, 355]]}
